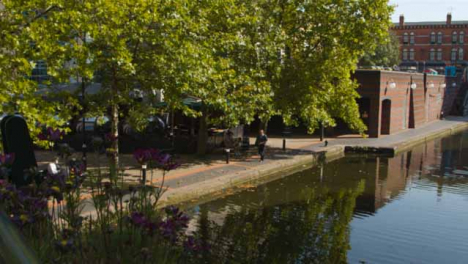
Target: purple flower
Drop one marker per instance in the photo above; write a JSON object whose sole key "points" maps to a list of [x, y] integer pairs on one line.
{"points": [[138, 219], [54, 134], [7, 159], [42, 136], [142, 156], [110, 137], [192, 244], [172, 165], [174, 224]]}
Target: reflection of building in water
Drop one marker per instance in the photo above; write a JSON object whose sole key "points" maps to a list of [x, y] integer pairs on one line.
{"points": [[432, 166]]}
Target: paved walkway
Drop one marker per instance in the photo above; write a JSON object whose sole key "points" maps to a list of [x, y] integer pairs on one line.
{"points": [[212, 174]]}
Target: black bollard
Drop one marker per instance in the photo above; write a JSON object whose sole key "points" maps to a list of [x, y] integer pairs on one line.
{"points": [[284, 144], [228, 154], [322, 132], [143, 171]]}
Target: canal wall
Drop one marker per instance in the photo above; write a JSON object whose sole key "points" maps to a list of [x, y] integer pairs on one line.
{"points": [[231, 183], [409, 140], [283, 164]]}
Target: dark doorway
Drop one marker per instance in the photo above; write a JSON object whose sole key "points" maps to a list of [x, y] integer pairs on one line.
{"points": [[385, 119], [364, 110]]}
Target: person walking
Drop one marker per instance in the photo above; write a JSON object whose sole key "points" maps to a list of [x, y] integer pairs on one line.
{"points": [[261, 143]]}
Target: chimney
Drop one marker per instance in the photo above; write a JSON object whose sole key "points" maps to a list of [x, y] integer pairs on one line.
{"points": [[449, 18], [402, 20]]}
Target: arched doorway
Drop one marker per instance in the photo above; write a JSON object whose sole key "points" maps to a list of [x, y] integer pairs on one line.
{"points": [[364, 109], [385, 118]]}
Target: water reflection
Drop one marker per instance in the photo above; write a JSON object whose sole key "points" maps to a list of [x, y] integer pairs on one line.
{"points": [[359, 209], [313, 228]]}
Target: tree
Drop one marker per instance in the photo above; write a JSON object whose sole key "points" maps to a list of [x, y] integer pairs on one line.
{"points": [[324, 41], [125, 44], [241, 58], [386, 55], [230, 48], [18, 56]]}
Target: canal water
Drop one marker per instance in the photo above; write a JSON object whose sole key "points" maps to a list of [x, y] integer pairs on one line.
{"points": [[412, 208]]}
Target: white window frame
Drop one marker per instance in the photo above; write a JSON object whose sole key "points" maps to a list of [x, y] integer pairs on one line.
{"points": [[454, 55], [411, 39], [454, 37], [432, 55], [439, 55], [411, 54], [405, 54], [405, 39]]}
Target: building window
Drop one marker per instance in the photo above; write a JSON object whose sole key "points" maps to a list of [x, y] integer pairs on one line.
{"points": [[433, 38], [411, 54], [439, 54], [39, 73], [411, 38], [454, 37], [432, 55], [405, 54], [439, 38], [461, 40], [405, 38], [460, 54], [454, 54]]}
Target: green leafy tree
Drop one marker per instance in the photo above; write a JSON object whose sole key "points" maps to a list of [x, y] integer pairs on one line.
{"points": [[386, 55], [18, 56], [230, 48], [126, 46], [324, 40], [241, 58]]}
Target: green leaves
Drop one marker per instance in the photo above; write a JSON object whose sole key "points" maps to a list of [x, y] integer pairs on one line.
{"points": [[241, 58]]}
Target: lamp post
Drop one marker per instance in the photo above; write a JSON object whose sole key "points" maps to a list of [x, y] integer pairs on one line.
{"points": [[322, 131], [83, 95], [143, 172], [286, 133], [83, 121], [228, 155]]}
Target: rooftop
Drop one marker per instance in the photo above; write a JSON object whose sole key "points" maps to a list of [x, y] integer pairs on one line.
{"points": [[429, 23]]}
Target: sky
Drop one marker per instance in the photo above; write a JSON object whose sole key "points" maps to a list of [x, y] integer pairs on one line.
{"points": [[430, 10]]}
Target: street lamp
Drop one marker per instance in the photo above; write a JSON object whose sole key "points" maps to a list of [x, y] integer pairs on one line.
{"points": [[413, 85], [391, 84], [286, 133]]}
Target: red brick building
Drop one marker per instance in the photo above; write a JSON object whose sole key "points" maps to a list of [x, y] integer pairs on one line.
{"points": [[432, 44], [394, 101]]}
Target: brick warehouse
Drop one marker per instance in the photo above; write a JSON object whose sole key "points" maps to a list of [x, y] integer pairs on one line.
{"points": [[432, 44], [394, 101]]}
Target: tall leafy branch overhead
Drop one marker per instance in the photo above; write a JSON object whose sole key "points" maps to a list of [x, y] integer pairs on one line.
{"points": [[18, 56], [241, 58], [324, 41]]}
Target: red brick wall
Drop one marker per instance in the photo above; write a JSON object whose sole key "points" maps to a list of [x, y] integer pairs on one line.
{"points": [[422, 41], [410, 108], [434, 97]]}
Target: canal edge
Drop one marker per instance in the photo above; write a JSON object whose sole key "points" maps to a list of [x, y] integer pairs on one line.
{"points": [[231, 183]]}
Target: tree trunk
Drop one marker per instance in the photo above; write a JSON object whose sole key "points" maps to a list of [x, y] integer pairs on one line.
{"points": [[264, 126], [115, 133], [202, 135]]}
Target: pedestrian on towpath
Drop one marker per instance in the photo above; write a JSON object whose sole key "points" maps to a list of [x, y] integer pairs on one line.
{"points": [[261, 143]]}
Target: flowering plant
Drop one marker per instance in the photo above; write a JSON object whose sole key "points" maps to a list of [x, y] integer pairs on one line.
{"points": [[122, 224]]}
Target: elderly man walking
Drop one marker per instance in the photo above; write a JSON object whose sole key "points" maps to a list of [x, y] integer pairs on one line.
{"points": [[261, 143]]}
